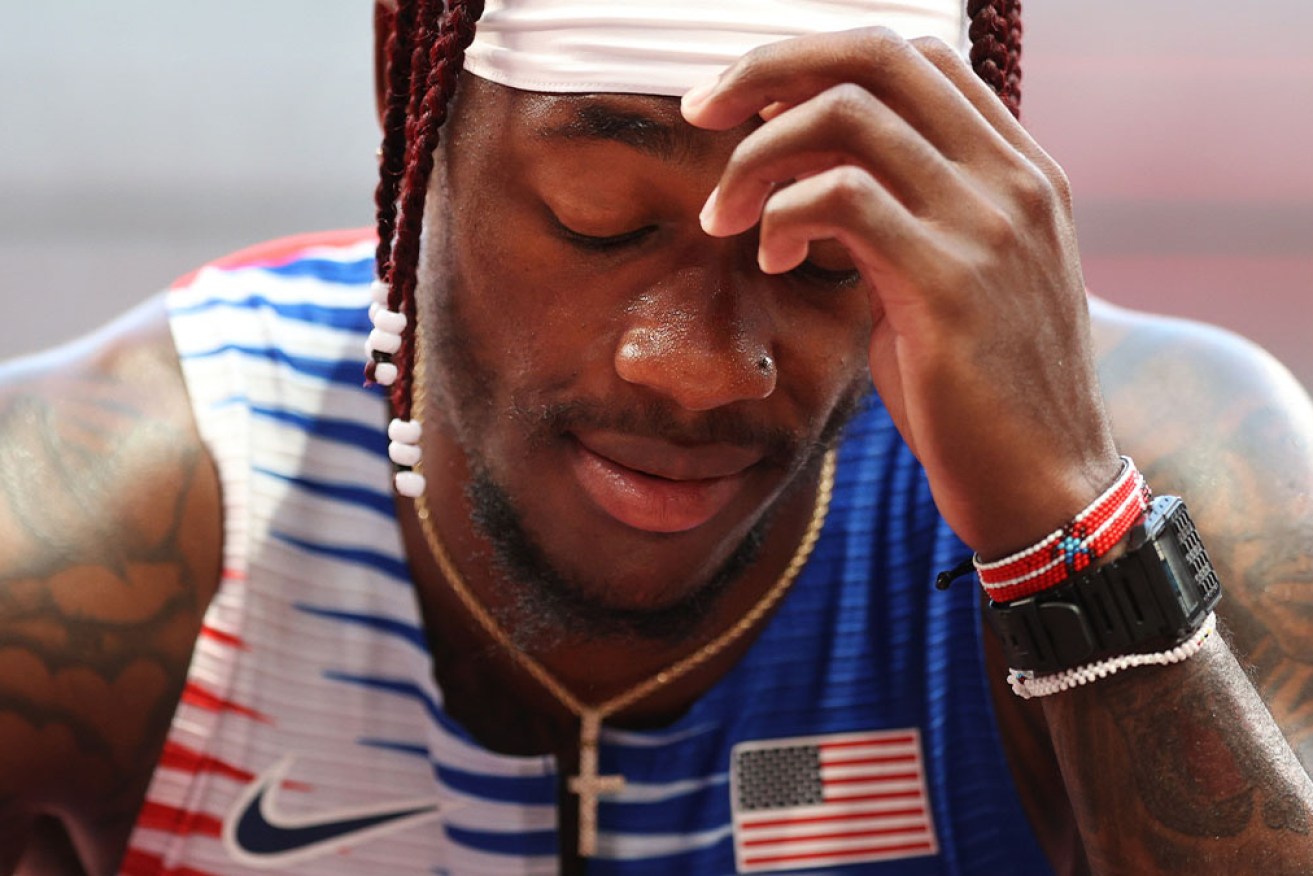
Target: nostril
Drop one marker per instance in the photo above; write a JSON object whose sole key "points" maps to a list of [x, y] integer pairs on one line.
{"points": [[697, 377]]}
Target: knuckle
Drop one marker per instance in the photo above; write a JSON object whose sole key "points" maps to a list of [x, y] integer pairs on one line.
{"points": [[1061, 184], [938, 52], [997, 230], [749, 67], [881, 47], [850, 103], [846, 186], [1034, 192], [763, 63]]}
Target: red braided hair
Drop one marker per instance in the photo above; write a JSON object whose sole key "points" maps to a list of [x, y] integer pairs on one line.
{"points": [[426, 53], [996, 47], [425, 56]]}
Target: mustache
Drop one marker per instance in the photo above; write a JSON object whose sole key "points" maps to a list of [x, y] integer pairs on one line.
{"points": [[660, 421]]}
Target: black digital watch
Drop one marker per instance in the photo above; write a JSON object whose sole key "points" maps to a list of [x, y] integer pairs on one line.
{"points": [[1149, 599]]}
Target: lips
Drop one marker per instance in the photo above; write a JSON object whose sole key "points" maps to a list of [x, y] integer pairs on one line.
{"points": [[656, 486]]}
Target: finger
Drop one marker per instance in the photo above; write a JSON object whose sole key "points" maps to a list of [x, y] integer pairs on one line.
{"points": [[843, 125], [901, 76], [845, 204], [848, 205], [982, 98]]}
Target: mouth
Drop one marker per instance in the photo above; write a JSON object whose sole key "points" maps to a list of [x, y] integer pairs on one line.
{"points": [[655, 486]]}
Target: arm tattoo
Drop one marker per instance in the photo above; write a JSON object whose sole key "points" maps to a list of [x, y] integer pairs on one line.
{"points": [[1179, 766], [1182, 765], [108, 551], [1201, 777], [1263, 547], [1240, 450]]}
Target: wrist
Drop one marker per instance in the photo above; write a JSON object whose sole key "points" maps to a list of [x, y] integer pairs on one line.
{"points": [[1147, 607], [1095, 534], [1047, 501]]}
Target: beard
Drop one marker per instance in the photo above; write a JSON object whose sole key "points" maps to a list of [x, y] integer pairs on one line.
{"points": [[540, 604]]}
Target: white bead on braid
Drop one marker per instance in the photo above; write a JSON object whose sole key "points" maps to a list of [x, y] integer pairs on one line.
{"points": [[404, 452], [389, 322], [378, 297], [405, 431], [382, 342], [385, 339], [409, 483]]}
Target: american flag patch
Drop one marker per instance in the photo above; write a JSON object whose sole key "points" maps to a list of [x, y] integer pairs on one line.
{"points": [[818, 801]]}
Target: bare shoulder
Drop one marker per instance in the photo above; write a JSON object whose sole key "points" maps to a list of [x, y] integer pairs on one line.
{"points": [[1215, 419], [109, 552], [1166, 378]]}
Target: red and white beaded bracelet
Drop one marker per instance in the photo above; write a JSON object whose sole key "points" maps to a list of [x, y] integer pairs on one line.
{"points": [[1073, 547]]}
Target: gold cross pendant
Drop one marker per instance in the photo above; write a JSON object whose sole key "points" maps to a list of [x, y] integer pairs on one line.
{"points": [[588, 785]]}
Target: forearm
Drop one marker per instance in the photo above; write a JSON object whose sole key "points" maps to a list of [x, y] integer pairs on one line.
{"points": [[1181, 769]]}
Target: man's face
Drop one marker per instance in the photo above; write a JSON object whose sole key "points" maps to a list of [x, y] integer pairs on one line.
{"points": [[636, 394]]}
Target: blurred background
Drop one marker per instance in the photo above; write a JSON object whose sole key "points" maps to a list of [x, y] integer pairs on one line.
{"points": [[139, 138]]}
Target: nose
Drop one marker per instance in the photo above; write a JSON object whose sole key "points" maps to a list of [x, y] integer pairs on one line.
{"points": [[700, 344]]}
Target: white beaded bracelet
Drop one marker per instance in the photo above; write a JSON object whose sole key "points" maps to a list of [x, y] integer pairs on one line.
{"points": [[1027, 685]]}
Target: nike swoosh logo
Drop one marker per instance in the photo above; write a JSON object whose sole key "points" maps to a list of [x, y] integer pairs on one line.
{"points": [[257, 834]]}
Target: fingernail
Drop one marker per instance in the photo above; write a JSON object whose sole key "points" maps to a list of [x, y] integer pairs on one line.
{"points": [[697, 95], [708, 209]]}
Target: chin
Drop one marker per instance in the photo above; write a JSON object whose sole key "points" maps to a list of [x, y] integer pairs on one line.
{"points": [[626, 600]]}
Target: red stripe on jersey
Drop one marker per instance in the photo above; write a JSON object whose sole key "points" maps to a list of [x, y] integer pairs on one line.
{"points": [[222, 638], [179, 757], [139, 863], [194, 695], [157, 816], [280, 251]]}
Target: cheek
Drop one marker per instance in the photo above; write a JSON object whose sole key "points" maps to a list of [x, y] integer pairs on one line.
{"points": [[824, 341], [530, 325], [495, 283]]}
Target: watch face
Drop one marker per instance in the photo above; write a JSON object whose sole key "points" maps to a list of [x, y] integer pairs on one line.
{"points": [[1189, 570], [1180, 576]]}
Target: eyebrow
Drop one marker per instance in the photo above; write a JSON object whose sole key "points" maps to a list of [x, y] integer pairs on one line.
{"points": [[598, 121]]}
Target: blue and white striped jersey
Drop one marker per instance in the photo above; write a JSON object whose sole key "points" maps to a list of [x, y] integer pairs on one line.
{"points": [[855, 736]]}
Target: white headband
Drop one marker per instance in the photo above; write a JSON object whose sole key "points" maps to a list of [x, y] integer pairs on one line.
{"points": [[665, 47]]}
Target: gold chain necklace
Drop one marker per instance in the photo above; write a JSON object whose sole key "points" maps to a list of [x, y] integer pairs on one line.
{"points": [[588, 784]]}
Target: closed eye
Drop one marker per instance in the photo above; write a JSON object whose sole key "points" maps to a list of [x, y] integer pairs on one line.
{"points": [[840, 279], [602, 244], [808, 270]]}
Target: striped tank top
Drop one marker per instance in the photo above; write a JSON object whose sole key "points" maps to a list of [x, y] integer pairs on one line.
{"points": [[855, 736]]}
